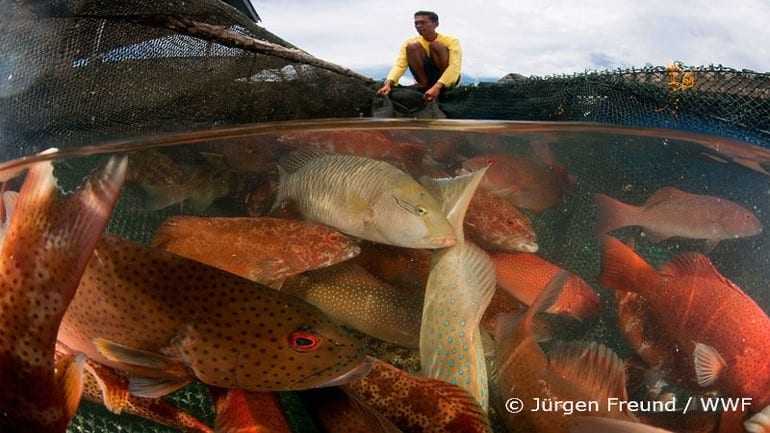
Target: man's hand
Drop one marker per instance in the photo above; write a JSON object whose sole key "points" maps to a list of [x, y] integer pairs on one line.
{"points": [[385, 89], [432, 93]]}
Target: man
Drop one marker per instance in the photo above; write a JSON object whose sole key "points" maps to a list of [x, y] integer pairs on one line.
{"points": [[433, 58]]}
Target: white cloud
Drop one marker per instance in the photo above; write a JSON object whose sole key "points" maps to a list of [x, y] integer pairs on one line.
{"points": [[533, 36]]}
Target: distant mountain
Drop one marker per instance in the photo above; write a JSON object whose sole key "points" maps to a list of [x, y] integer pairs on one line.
{"points": [[380, 72]]}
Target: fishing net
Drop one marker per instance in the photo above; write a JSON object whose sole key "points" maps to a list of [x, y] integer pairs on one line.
{"points": [[81, 72]]}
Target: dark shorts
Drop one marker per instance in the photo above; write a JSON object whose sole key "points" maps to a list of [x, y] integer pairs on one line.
{"points": [[433, 72]]}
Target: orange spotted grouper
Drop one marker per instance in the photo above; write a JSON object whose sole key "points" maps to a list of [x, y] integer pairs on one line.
{"points": [[44, 252], [524, 276], [419, 404], [459, 288], [715, 332], [495, 224], [570, 372], [265, 250], [165, 320]]}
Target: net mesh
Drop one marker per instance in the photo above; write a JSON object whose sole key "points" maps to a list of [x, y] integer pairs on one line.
{"points": [[82, 72]]}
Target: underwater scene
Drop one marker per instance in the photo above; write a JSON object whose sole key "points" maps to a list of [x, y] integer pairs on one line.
{"points": [[388, 276]]}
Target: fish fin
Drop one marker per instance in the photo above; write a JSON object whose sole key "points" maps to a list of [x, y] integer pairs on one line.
{"points": [[708, 248], [548, 296], [153, 387], [113, 387], [238, 411], [455, 195], [623, 269], [69, 373], [126, 355], [613, 214], [594, 367], [760, 167], [296, 160], [9, 199], [276, 284], [479, 272], [663, 195], [759, 422], [698, 265], [597, 424], [708, 364]]}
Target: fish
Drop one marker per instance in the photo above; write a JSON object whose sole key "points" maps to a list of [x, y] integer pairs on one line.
{"points": [[524, 182], [405, 268], [671, 212], [502, 302], [574, 371], [495, 224], [524, 275], [716, 332], [417, 404], [166, 320], [365, 198], [44, 252], [265, 250], [460, 285], [239, 411], [338, 412], [166, 182], [352, 296], [108, 387], [404, 152]]}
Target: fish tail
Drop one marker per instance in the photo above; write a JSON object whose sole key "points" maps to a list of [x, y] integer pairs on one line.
{"points": [[280, 194], [545, 300], [612, 214], [624, 269]]}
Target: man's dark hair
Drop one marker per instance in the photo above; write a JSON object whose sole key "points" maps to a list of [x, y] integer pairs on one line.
{"points": [[432, 15]]}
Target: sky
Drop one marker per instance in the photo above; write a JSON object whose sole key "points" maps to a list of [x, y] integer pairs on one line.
{"points": [[533, 37]]}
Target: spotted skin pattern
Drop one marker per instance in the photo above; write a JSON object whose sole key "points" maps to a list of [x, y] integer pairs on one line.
{"points": [[211, 325], [418, 404], [264, 250]]}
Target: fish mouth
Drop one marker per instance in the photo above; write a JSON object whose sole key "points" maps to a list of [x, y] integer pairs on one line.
{"points": [[358, 372]]}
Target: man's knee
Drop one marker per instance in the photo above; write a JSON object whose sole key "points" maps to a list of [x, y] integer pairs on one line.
{"points": [[439, 48], [414, 48]]}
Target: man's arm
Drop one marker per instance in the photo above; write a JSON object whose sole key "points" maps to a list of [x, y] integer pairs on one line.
{"points": [[452, 72], [398, 69]]}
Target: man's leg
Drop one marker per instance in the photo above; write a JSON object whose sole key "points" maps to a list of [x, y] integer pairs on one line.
{"points": [[416, 57], [439, 54]]}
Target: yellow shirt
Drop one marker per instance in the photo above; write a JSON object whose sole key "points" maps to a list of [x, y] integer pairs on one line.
{"points": [[452, 72]]}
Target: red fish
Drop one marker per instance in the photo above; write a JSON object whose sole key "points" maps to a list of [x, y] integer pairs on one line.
{"points": [[671, 212], [524, 182], [241, 411], [419, 404], [286, 247], [640, 330], [495, 224], [707, 321], [44, 252], [525, 275]]}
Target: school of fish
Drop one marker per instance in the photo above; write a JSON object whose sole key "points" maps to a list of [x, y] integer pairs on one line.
{"points": [[430, 249]]}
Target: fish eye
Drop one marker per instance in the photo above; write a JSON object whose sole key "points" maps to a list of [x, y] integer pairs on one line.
{"points": [[303, 341], [421, 211]]}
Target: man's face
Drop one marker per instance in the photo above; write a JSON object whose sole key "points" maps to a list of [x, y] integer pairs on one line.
{"points": [[424, 25]]}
